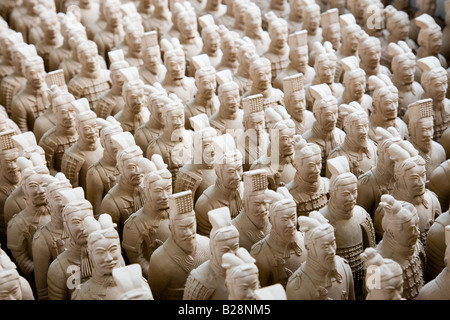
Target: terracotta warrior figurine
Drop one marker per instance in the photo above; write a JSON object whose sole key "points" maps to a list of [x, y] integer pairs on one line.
{"points": [[409, 185], [184, 250], [214, 8], [129, 281], [103, 247], [353, 226], [132, 41], [152, 70], [358, 148], [278, 53], [403, 66], [241, 277], [384, 277], [295, 18], [350, 31], [152, 129], [309, 190], [253, 220], [160, 18], [254, 30], [239, 10], [325, 67], [355, 86], [311, 23], [189, 37], [59, 54], [175, 80], [22, 226], [71, 64], [246, 53], [23, 286], [111, 102], [299, 60], [23, 18], [228, 18], [147, 229], [420, 114], [227, 189], [8, 38], [434, 82], [282, 251], [126, 197], [375, 21], [49, 241], [10, 285], [324, 275], [211, 38], [401, 243], [52, 37], [205, 100], [229, 44], [198, 174], [331, 29], [384, 107], [439, 183], [92, 81], [32, 100], [324, 132], [436, 246], [78, 158], [61, 137], [429, 39], [380, 179], [207, 281], [89, 11], [102, 176]]}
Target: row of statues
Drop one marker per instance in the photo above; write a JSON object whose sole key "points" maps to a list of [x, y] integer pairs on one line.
{"points": [[211, 150]]}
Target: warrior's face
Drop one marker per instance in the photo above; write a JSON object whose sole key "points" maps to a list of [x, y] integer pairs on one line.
{"points": [[230, 50], [409, 232], [220, 247], [212, 41], [56, 202], [296, 105], [230, 101], [299, 58], [401, 30], [278, 36], [113, 16], [309, 168], [35, 190], [131, 172], [183, 231], [9, 168], [256, 122], [243, 288], [323, 250], [89, 60], [388, 106], [11, 290], [370, 57], [231, 175], [156, 110], [106, 255], [357, 131], [436, 88], [284, 222], [312, 21], [35, 75], [422, 134], [88, 131], [262, 77], [176, 67], [51, 27], [405, 71], [350, 39], [188, 26], [65, 115], [152, 58], [109, 147], [135, 98], [345, 194], [159, 192], [174, 120], [326, 70], [74, 225], [357, 87], [327, 117], [257, 210], [334, 35], [413, 181], [206, 84], [253, 20], [134, 41], [286, 142]]}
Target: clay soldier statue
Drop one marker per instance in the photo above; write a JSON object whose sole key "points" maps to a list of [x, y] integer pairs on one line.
{"points": [[239, 10], [439, 183], [255, 140], [261, 75], [228, 18], [22, 19], [360, 151], [22, 226], [401, 243], [246, 53], [175, 80], [15, 81], [227, 189], [112, 101], [103, 247], [189, 37], [198, 173], [254, 30], [152, 129], [173, 31], [311, 23], [73, 266], [331, 29], [420, 114], [8, 39], [135, 112], [295, 103], [429, 39], [61, 137], [32, 100], [207, 281], [215, 8], [309, 190], [92, 80], [241, 277], [152, 70], [375, 21], [380, 179], [10, 286], [10, 176], [229, 45], [278, 53], [126, 196], [134, 32], [437, 289], [295, 18], [324, 275], [112, 34], [384, 107], [52, 38], [205, 100], [299, 60], [102, 176], [211, 38], [278, 160], [24, 286], [146, 229], [89, 12], [282, 251], [434, 83], [403, 66], [409, 185], [184, 247], [129, 281], [384, 277], [325, 67], [78, 158], [48, 241], [354, 81], [175, 142], [253, 221], [71, 65], [160, 18], [324, 132], [353, 226]]}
